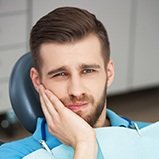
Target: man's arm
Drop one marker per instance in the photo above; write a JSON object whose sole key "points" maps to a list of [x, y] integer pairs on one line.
{"points": [[86, 150], [68, 127]]}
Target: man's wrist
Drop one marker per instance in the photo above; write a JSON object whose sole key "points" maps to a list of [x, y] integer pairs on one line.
{"points": [[86, 149]]}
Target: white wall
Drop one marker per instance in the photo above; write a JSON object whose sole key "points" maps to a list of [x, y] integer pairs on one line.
{"points": [[13, 36], [146, 46]]}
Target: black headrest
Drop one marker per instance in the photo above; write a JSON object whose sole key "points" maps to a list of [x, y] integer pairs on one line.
{"points": [[24, 98], [1, 143]]}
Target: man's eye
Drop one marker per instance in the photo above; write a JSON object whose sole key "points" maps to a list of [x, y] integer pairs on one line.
{"points": [[61, 74], [88, 71]]}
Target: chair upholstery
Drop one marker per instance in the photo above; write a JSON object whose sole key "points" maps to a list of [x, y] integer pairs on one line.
{"points": [[24, 98], [1, 143]]}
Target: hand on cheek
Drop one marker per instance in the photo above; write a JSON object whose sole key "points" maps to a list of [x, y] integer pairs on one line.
{"points": [[62, 122]]}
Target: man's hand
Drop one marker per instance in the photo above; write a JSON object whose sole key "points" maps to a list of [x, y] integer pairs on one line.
{"points": [[67, 126]]}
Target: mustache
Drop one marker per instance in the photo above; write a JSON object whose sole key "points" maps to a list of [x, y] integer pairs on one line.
{"points": [[80, 99]]}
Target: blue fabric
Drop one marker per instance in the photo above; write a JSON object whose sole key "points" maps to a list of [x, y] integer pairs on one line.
{"points": [[19, 149]]}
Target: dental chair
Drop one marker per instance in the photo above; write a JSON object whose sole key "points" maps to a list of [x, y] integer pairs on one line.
{"points": [[24, 98], [1, 143]]}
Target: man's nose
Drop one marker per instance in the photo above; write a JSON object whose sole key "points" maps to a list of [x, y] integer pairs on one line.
{"points": [[76, 87]]}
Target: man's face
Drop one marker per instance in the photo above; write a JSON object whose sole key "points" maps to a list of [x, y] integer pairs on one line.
{"points": [[76, 74]]}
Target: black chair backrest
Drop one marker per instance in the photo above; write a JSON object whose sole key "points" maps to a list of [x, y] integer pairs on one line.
{"points": [[24, 98], [1, 143]]}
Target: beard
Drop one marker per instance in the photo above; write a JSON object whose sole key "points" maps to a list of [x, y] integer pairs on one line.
{"points": [[97, 107], [92, 117]]}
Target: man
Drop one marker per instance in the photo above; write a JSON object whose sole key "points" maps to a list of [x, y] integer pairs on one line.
{"points": [[73, 69]]}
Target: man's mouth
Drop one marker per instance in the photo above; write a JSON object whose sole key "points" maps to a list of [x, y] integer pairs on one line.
{"points": [[77, 106]]}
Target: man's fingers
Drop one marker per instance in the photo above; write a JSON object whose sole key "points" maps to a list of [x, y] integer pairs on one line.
{"points": [[44, 108], [46, 104], [58, 105]]}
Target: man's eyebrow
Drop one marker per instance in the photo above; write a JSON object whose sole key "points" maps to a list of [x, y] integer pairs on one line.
{"points": [[82, 66], [95, 66], [54, 71]]}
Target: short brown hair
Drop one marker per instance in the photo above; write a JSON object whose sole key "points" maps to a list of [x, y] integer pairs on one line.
{"points": [[66, 24]]}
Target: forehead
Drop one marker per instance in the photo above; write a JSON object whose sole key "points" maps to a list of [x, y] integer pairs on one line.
{"points": [[85, 51]]}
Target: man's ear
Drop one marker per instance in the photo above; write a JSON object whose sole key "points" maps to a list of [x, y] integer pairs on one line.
{"points": [[110, 73], [35, 77]]}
